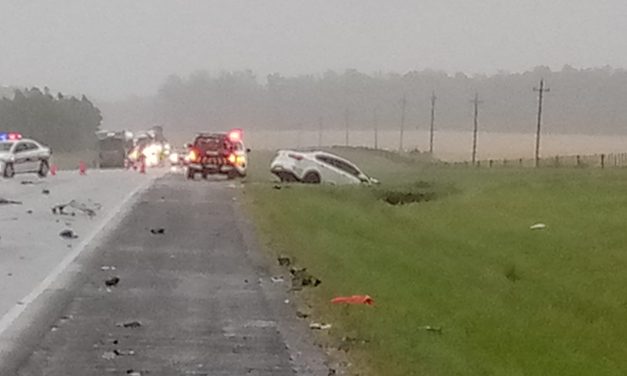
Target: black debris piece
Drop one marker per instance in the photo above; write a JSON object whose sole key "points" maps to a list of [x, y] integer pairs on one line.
{"points": [[130, 324], [4, 201], [68, 234], [157, 231], [113, 281], [284, 260], [45, 191]]}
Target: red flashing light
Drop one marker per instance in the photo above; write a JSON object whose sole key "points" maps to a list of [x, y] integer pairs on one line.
{"points": [[15, 136], [235, 135]]}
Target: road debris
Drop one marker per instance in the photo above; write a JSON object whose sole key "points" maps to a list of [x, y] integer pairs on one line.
{"points": [[68, 234], [277, 279], [433, 329], [129, 324], [90, 211], [284, 260], [131, 372], [157, 231], [107, 267], [302, 278], [124, 352], [108, 355], [113, 281], [537, 226], [45, 191], [354, 299], [319, 326], [4, 201]]}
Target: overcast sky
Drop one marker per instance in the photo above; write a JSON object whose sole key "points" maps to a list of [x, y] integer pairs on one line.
{"points": [[116, 48]]}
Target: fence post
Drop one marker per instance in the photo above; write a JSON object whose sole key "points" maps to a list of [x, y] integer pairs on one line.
{"points": [[520, 162], [557, 161], [578, 160], [602, 160], [490, 162], [504, 162]]}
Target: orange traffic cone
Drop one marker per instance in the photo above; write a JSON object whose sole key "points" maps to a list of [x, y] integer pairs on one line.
{"points": [[82, 168], [53, 170]]}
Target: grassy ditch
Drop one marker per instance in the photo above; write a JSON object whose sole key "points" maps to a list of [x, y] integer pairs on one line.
{"points": [[462, 285]]}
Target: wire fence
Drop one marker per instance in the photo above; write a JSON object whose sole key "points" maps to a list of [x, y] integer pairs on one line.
{"points": [[610, 160]]}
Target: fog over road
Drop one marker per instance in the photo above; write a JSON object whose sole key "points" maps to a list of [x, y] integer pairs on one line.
{"points": [[194, 299]]}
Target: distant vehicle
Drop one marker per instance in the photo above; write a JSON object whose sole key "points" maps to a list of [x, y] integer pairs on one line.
{"points": [[20, 155], [217, 153], [150, 147], [317, 167], [113, 148]]}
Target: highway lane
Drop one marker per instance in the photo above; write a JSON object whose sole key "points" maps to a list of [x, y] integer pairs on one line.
{"points": [[189, 300]]}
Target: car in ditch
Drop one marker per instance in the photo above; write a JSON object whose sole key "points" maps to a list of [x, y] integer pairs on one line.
{"points": [[315, 167], [217, 153], [20, 155]]}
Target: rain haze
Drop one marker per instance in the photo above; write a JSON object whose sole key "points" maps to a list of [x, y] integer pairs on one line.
{"points": [[116, 48]]}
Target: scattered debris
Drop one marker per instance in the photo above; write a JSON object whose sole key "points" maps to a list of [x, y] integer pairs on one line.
{"points": [[278, 279], [157, 231], [45, 191], [284, 260], [77, 206], [129, 324], [302, 315], [355, 299], [4, 201], [302, 278], [433, 329], [113, 281], [27, 182], [131, 372], [124, 352], [29, 212], [319, 326], [107, 267], [68, 234], [108, 355], [537, 226], [277, 187]]}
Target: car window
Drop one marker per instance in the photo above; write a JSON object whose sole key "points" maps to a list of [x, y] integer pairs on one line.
{"points": [[346, 167], [21, 147], [31, 146], [5, 146]]}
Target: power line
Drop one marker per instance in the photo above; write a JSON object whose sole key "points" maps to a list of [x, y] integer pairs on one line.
{"points": [[346, 123], [403, 106], [432, 127], [375, 123], [476, 102], [541, 90]]}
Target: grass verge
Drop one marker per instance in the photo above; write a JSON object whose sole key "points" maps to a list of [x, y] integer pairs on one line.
{"points": [[504, 299]]}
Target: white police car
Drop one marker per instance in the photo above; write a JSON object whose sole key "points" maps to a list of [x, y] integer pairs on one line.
{"points": [[317, 167], [19, 155]]}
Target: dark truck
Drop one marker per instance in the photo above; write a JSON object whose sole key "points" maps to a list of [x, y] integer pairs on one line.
{"points": [[217, 153], [113, 148]]}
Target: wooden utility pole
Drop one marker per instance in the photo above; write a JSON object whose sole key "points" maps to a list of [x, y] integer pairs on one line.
{"points": [[541, 90], [476, 102], [320, 132], [403, 106], [346, 123], [432, 127], [375, 123]]}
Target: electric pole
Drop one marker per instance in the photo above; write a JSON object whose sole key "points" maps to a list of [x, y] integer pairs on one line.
{"points": [[541, 90], [476, 102], [346, 123], [432, 128], [320, 132], [403, 106], [375, 122]]}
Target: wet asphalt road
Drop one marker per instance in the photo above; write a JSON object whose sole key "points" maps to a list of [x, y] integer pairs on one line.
{"points": [[192, 293]]}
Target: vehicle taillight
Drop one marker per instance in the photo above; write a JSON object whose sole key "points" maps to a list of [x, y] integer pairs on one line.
{"points": [[298, 157], [232, 158], [192, 156]]}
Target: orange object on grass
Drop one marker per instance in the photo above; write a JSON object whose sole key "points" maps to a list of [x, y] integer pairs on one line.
{"points": [[355, 299]]}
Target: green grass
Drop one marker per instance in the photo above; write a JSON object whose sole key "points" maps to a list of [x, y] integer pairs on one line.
{"points": [[509, 300]]}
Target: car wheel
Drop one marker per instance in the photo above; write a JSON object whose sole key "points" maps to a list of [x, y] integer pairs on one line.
{"points": [[205, 175], [312, 178], [43, 169], [190, 174], [232, 174], [9, 171]]}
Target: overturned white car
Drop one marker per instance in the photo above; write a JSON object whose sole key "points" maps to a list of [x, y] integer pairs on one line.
{"points": [[316, 167]]}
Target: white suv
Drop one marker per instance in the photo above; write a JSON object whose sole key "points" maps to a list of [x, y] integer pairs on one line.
{"points": [[19, 155]]}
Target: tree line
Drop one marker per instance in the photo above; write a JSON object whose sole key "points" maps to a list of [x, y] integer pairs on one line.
{"points": [[63, 123], [586, 101]]}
